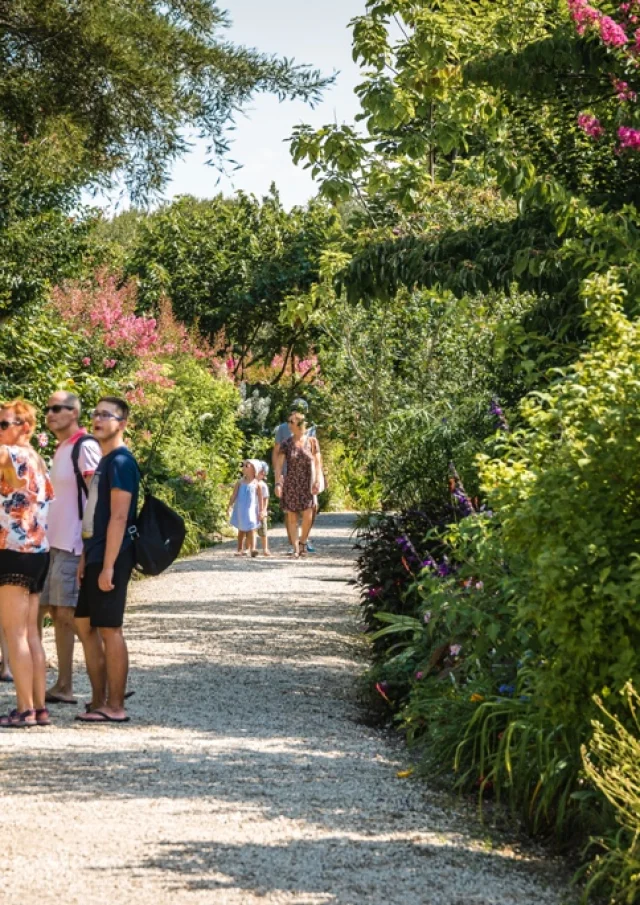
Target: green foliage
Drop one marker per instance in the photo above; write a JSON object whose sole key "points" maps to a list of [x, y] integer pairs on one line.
{"points": [[230, 265], [39, 352], [569, 515], [611, 762]]}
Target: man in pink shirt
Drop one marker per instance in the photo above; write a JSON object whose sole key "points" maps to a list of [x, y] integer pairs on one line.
{"points": [[60, 593]]}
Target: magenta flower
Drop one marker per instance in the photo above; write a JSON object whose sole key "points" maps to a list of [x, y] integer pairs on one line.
{"points": [[629, 138], [583, 14], [86, 361], [611, 33], [419, 675], [109, 362], [590, 125], [623, 91]]}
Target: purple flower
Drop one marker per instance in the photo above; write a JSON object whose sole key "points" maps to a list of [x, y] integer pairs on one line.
{"points": [[443, 569], [187, 479], [374, 592], [507, 689], [427, 563], [454, 649], [499, 415], [427, 617], [407, 548], [462, 501], [479, 585], [419, 675]]}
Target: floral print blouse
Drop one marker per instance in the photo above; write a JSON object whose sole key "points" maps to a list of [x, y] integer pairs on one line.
{"points": [[23, 510]]}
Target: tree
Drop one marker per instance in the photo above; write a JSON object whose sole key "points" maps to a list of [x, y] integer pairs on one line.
{"points": [[117, 83], [94, 91], [229, 265]]}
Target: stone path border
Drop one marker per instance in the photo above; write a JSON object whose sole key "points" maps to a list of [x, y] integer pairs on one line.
{"points": [[246, 775]]}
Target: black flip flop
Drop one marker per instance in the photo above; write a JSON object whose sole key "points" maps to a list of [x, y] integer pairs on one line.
{"points": [[52, 698], [104, 717]]}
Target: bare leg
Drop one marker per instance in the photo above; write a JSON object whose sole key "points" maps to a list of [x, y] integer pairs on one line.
{"points": [[292, 530], [307, 522], [5, 672], [264, 541], [65, 633], [37, 653], [14, 617], [241, 537], [42, 612], [117, 657], [291, 535], [251, 543], [95, 659]]}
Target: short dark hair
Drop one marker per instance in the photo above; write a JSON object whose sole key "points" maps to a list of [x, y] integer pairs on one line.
{"points": [[120, 403]]}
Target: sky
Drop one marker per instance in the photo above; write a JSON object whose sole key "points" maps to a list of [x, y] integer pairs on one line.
{"points": [[310, 31]]}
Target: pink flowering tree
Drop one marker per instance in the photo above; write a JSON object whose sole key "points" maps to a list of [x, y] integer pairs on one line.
{"points": [[616, 29], [135, 353]]}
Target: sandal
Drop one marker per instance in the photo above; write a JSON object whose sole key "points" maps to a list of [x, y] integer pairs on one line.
{"points": [[15, 720], [303, 548], [43, 716]]}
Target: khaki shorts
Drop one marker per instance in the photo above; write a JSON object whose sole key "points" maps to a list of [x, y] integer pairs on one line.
{"points": [[263, 527], [61, 585]]}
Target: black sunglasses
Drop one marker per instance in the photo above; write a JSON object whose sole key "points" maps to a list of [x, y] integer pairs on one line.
{"points": [[56, 409], [6, 424]]}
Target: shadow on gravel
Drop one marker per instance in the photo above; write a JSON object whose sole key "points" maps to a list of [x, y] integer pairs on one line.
{"points": [[247, 564], [356, 871]]}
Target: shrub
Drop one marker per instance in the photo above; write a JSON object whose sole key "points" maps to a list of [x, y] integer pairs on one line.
{"points": [[566, 492], [612, 763]]}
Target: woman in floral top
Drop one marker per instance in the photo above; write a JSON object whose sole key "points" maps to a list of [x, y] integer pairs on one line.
{"points": [[25, 494]]}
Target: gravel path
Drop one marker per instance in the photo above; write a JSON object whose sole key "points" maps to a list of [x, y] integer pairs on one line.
{"points": [[245, 775]]}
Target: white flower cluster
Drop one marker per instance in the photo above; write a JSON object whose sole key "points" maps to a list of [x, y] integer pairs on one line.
{"points": [[254, 408]]}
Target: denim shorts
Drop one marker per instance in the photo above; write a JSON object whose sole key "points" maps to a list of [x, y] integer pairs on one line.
{"points": [[61, 585]]}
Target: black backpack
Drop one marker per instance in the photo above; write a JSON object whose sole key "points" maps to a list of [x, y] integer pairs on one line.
{"points": [[83, 490], [159, 532], [157, 535]]}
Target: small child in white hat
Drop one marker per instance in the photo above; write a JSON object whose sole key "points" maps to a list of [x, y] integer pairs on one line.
{"points": [[263, 515]]}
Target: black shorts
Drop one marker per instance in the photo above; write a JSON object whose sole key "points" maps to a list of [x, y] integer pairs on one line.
{"points": [[26, 570], [105, 609]]}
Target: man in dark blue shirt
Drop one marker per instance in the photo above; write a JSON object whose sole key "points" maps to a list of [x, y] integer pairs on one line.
{"points": [[106, 564]]}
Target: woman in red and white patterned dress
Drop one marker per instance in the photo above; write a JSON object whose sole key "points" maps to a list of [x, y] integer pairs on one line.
{"points": [[25, 494]]}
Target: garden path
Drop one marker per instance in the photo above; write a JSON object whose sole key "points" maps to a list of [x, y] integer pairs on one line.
{"points": [[246, 775]]}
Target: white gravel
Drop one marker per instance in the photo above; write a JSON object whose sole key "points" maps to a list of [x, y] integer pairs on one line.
{"points": [[246, 775]]}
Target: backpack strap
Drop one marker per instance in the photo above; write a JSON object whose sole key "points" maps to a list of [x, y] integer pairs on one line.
{"points": [[80, 481]]}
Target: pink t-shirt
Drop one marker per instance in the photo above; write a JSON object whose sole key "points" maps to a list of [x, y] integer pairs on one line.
{"points": [[64, 527]]}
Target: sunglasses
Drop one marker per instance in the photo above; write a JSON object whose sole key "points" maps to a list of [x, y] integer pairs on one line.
{"points": [[6, 424], [56, 409], [104, 416]]}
